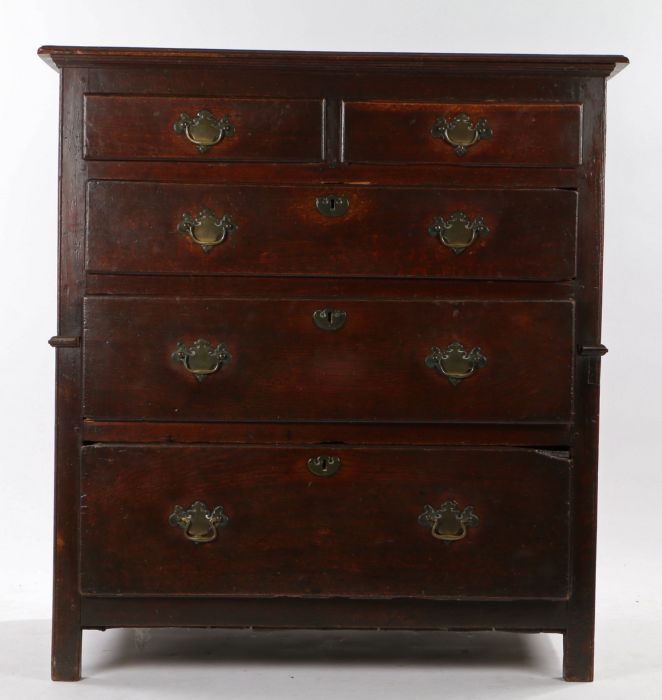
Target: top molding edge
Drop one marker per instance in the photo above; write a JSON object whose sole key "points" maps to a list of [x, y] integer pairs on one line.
{"points": [[576, 65]]}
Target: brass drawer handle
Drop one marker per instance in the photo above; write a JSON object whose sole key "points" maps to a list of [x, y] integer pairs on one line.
{"points": [[332, 205], [207, 229], [460, 132], [447, 522], [455, 362], [324, 465], [198, 523], [201, 358], [329, 319], [203, 130], [458, 232]]}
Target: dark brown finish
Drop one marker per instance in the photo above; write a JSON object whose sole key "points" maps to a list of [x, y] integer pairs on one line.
{"points": [[522, 434], [517, 440], [66, 632], [284, 368], [132, 227], [523, 134], [593, 350], [465, 63], [235, 173], [326, 613], [63, 341], [578, 639], [365, 514], [142, 128], [333, 289]]}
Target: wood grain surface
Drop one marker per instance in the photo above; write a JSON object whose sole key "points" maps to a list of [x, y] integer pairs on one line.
{"points": [[284, 368], [354, 533], [132, 228], [141, 128]]}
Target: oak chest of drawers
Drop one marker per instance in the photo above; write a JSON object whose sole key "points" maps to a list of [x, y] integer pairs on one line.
{"points": [[329, 342]]}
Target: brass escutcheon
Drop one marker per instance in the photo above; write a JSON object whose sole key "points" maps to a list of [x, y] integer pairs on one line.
{"points": [[330, 319], [198, 523], [203, 130], [447, 522], [324, 465], [460, 132], [332, 205]]}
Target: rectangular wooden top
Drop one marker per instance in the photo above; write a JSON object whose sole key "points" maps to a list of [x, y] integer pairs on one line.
{"points": [[608, 66]]}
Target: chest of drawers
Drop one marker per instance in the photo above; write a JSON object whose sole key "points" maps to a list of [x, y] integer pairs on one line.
{"points": [[328, 351]]}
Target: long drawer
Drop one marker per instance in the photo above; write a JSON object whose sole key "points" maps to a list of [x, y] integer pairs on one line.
{"points": [[200, 359], [463, 134], [447, 523], [383, 232]]}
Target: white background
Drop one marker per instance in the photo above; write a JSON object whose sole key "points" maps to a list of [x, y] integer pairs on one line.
{"points": [[273, 665]]}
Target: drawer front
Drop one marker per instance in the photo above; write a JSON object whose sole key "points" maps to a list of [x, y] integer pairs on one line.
{"points": [[279, 360], [494, 134], [387, 232], [153, 128], [384, 524]]}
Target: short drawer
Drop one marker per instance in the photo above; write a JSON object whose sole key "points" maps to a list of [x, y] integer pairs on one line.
{"points": [[201, 359], [165, 228], [119, 127], [462, 134], [439, 523]]}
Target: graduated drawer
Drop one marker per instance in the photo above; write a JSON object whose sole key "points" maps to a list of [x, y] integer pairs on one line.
{"points": [[459, 133], [384, 232], [281, 360], [119, 127], [382, 523]]}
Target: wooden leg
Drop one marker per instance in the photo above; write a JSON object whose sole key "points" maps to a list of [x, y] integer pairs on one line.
{"points": [[578, 654], [65, 652]]}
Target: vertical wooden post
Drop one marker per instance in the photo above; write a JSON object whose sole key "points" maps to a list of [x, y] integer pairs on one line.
{"points": [[67, 633], [578, 640]]}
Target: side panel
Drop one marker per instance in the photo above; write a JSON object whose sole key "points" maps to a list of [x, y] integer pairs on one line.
{"points": [[66, 599]]}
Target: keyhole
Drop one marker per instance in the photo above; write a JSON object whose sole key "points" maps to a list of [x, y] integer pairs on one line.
{"points": [[332, 205], [324, 465]]}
